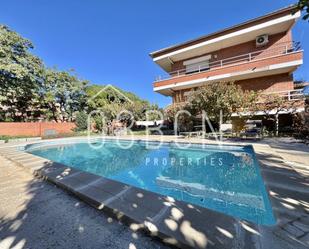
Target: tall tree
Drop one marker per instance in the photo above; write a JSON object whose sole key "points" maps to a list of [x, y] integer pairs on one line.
{"points": [[221, 97], [20, 75], [63, 94]]}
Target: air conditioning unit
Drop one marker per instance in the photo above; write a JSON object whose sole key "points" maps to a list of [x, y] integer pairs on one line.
{"points": [[261, 40]]}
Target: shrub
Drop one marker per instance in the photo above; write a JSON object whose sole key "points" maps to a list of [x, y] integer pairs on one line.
{"points": [[81, 121]]}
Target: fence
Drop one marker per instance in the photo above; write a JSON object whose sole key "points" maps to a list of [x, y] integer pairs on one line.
{"points": [[34, 128]]}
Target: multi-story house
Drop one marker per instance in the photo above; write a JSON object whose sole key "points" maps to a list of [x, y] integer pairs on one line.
{"points": [[259, 54]]}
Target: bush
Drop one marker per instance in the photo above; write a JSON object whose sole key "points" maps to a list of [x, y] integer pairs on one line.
{"points": [[81, 121], [64, 135], [98, 123], [301, 125]]}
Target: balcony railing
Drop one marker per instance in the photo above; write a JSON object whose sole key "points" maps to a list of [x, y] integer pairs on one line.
{"points": [[289, 95], [273, 51]]}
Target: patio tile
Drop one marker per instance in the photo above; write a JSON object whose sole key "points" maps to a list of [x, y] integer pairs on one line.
{"points": [[93, 196], [75, 179], [110, 186], [55, 171], [294, 231], [36, 163], [305, 239], [146, 199], [135, 214], [198, 227], [301, 226]]}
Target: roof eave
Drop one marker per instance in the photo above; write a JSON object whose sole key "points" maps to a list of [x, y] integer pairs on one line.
{"points": [[188, 43]]}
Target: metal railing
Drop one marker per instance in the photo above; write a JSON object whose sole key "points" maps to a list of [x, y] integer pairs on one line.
{"points": [[272, 51], [289, 95]]}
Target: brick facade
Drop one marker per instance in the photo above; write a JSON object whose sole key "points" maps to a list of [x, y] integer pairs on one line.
{"points": [[34, 129], [275, 41], [274, 83]]}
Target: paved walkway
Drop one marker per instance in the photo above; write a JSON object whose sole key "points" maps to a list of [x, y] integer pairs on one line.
{"points": [[291, 151], [38, 215], [288, 186]]}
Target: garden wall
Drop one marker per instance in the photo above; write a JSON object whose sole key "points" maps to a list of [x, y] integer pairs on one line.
{"points": [[34, 128]]}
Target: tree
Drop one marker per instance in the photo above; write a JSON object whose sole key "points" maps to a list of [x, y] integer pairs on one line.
{"points": [[62, 95], [215, 99], [179, 111], [31, 91], [20, 76], [222, 97], [113, 101], [273, 104], [303, 5]]}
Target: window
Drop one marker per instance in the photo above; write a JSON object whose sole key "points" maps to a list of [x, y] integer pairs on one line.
{"points": [[197, 64]]}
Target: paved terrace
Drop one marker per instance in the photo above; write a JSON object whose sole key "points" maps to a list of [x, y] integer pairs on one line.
{"points": [[37, 214]]}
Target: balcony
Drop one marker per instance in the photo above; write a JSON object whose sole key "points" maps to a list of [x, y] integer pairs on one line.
{"points": [[290, 95], [283, 57]]}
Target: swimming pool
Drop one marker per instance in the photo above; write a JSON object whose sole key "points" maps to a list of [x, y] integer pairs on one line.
{"points": [[222, 178]]}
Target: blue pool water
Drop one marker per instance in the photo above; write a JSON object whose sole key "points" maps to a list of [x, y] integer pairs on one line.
{"points": [[223, 178]]}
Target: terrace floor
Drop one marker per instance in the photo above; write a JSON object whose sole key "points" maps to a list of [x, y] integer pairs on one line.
{"points": [[37, 214]]}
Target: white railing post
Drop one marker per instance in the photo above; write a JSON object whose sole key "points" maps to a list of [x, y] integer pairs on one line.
{"points": [[250, 58], [289, 95], [221, 63], [286, 49]]}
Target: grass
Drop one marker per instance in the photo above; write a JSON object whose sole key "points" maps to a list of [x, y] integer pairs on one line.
{"points": [[6, 137], [71, 134], [65, 135], [85, 133], [139, 133]]}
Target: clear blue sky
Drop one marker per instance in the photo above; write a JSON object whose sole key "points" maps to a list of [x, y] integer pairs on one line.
{"points": [[108, 41]]}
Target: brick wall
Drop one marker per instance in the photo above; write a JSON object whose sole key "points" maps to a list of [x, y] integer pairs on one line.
{"points": [[33, 129], [273, 83]]}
